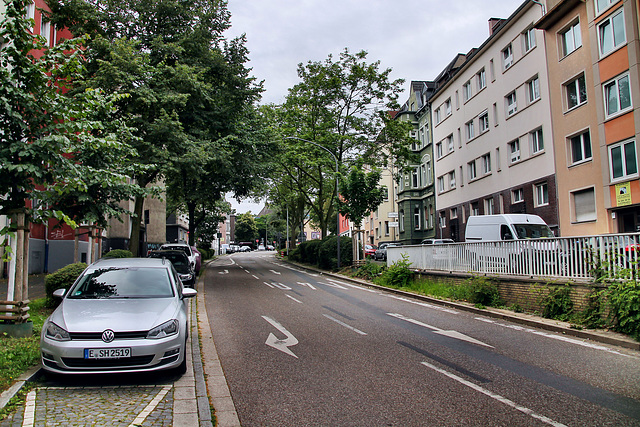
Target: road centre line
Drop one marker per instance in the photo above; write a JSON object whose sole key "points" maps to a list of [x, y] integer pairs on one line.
{"points": [[555, 337], [296, 300], [345, 325], [495, 396], [255, 277]]}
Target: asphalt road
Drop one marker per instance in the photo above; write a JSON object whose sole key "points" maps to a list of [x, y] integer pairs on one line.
{"points": [[301, 349]]}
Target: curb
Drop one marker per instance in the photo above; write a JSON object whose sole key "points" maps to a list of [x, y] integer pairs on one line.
{"points": [[30, 375], [527, 320]]}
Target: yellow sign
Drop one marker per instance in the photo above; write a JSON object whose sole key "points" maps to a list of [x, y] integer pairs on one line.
{"points": [[623, 194]]}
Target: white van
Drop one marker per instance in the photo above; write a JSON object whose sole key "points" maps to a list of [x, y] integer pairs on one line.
{"points": [[506, 227]]}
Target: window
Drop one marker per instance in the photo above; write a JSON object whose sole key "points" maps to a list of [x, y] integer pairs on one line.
{"points": [[439, 150], [475, 210], [611, 33], [385, 192], [450, 144], [514, 151], [453, 213], [429, 173], [416, 218], [447, 107], [507, 57], [580, 148], [512, 104], [45, 31], [452, 179], [576, 91], [537, 142], [571, 39], [440, 184], [541, 194], [584, 205], [617, 95], [489, 206], [386, 228], [481, 79], [401, 221], [30, 11], [533, 89], [436, 115], [471, 166], [517, 196], [443, 219], [602, 5], [529, 39], [414, 178], [466, 91], [484, 122], [486, 163], [623, 161], [423, 175], [470, 133]]}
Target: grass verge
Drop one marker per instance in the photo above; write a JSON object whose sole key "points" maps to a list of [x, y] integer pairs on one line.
{"points": [[19, 354]]}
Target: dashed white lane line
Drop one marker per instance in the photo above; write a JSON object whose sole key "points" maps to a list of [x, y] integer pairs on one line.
{"points": [[495, 396], [289, 296], [151, 406], [345, 325], [362, 288], [255, 277]]}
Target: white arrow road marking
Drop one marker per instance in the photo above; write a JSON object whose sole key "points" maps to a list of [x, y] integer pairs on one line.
{"points": [[495, 396], [451, 334], [345, 325], [333, 285], [289, 296], [307, 284], [275, 272], [278, 344], [223, 272], [268, 284], [281, 286], [424, 304]]}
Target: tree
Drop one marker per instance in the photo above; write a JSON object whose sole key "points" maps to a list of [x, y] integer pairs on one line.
{"points": [[189, 92], [360, 195], [246, 229], [337, 105]]}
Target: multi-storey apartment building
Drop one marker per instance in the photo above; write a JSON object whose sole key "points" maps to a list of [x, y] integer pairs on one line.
{"points": [[593, 51], [416, 198], [492, 129]]}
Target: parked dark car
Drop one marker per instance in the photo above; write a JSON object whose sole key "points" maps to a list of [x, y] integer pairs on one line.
{"points": [[381, 253], [180, 262]]}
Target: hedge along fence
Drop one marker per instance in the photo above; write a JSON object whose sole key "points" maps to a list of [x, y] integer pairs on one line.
{"points": [[323, 253]]}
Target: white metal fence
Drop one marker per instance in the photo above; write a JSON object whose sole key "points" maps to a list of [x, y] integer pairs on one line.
{"points": [[587, 257]]}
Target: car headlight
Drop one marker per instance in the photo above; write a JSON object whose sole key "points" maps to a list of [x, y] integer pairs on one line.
{"points": [[185, 277], [164, 330], [56, 333]]}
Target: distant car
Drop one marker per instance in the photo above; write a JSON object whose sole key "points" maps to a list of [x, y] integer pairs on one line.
{"points": [[261, 248], [180, 262], [381, 253], [369, 250], [182, 247], [120, 316], [436, 241], [271, 248], [198, 258]]}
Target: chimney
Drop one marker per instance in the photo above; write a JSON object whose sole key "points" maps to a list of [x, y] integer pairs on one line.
{"points": [[494, 23]]}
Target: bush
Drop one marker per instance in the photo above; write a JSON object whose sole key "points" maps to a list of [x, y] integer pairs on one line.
{"points": [[398, 275], [482, 291], [327, 254], [309, 251], [369, 271], [61, 279], [557, 303], [624, 307], [118, 253]]}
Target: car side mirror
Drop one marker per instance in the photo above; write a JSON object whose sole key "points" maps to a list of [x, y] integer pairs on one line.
{"points": [[189, 293], [59, 293]]}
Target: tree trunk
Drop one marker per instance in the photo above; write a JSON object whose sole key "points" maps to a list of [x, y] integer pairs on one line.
{"points": [[134, 240], [191, 207]]}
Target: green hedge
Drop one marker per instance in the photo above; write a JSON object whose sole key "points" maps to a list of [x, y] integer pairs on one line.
{"points": [[118, 253], [327, 254], [61, 279]]}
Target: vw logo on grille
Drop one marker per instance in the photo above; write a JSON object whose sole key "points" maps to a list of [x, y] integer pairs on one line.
{"points": [[108, 335]]}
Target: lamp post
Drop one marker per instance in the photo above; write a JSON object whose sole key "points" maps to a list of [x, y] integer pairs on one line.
{"points": [[337, 189]]}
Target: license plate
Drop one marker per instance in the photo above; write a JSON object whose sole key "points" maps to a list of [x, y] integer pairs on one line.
{"points": [[107, 353]]}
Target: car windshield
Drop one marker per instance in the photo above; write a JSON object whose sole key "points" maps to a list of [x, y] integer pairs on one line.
{"points": [[124, 283], [533, 231], [179, 261]]}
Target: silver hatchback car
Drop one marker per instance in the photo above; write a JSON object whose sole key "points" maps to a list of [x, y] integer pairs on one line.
{"points": [[120, 315]]}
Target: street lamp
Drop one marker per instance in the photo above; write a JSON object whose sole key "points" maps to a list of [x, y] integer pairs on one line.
{"points": [[337, 189]]}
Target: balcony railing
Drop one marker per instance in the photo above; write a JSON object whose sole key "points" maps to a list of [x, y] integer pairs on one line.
{"points": [[613, 256]]}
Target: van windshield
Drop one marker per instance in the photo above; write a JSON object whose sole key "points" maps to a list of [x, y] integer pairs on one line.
{"points": [[533, 231]]}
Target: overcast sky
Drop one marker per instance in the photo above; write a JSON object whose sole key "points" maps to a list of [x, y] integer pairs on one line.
{"points": [[416, 38]]}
